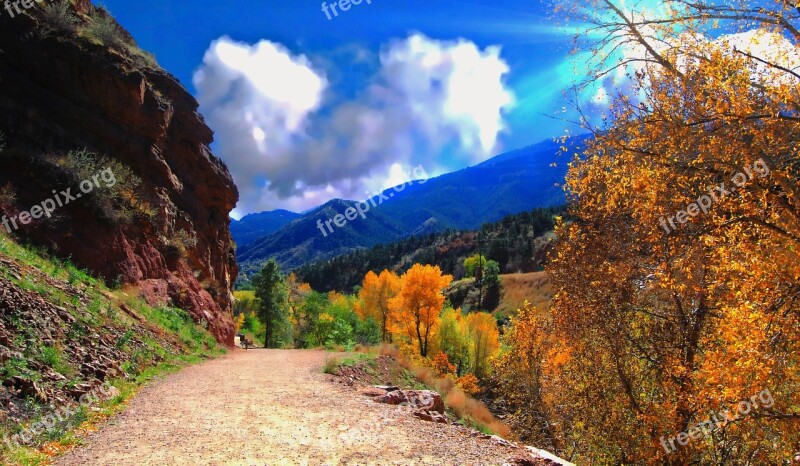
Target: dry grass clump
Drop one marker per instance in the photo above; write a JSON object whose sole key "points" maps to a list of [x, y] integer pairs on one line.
{"points": [[332, 363]]}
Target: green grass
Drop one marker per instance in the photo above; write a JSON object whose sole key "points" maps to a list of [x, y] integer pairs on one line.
{"points": [[352, 361], [55, 358], [15, 367]]}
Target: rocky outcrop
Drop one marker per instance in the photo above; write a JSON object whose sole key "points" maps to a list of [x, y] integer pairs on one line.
{"points": [[425, 404], [61, 92]]}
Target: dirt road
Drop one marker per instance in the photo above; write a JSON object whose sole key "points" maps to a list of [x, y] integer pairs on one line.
{"points": [[272, 407]]}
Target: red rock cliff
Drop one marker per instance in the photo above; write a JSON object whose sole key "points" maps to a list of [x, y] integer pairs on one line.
{"points": [[64, 91]]}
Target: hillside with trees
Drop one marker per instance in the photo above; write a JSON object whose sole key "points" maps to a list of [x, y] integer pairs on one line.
{"points": [[517, 243], [506, 184]]}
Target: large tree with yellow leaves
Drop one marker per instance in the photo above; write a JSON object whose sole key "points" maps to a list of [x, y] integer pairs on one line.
{"points": [[376, 291], [419, 302], [677, 283]]}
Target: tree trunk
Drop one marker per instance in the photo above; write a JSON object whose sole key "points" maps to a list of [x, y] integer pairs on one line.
{"points": [[422, 349]]}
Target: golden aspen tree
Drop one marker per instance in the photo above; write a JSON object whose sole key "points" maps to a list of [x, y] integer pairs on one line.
{"points": [[419, 302], [376, 291]]}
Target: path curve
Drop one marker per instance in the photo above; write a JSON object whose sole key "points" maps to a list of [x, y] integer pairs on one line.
{"points": [[271, 407]]}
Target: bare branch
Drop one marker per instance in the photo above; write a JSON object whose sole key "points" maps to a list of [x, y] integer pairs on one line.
{"points": [[772, 65]]}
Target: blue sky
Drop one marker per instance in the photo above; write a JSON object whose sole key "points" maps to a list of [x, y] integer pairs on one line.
{"points": [[306, 109]]}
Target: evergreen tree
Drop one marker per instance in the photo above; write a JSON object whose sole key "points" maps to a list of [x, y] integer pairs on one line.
{"points": [[273, 310]]}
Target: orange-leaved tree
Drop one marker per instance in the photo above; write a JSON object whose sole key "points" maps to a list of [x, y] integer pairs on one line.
{"points": [[522, 370], [417, 306], [678, 280], [376, 291]]}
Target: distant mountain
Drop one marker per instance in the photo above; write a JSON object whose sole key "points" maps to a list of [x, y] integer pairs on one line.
{"points": [[257, 226], [510, 183], [302, 241]]}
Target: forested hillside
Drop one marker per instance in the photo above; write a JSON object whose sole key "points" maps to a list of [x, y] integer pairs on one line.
{"points": [[255, 226], [516, 243]]}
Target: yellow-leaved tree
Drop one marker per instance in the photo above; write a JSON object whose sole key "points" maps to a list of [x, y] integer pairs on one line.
{"points": [[417, 306], [453, 339], [376, 291], [677, 279], [485, 341], [521, 370]]}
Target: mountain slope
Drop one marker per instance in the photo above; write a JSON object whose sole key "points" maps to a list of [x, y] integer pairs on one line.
{"points": [[513, 182], [302, 241], [256, 226]]}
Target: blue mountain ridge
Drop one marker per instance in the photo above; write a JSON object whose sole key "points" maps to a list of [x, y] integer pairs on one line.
{"points": [[509, 183]]}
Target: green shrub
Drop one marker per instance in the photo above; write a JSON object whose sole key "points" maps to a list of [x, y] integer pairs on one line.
{"points": [[58, 18], [103, 29], [367, 332], [178, 245], [119, 201]]}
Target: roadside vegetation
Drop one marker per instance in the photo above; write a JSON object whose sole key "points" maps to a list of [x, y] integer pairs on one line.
{"points": [[64, 333], [387, 365], [671, 307], [445, 348]]}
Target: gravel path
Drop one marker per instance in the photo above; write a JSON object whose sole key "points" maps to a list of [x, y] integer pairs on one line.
{"points": [[272, 407]]}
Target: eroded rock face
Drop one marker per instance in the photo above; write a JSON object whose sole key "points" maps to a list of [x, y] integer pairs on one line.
{"points": [[61, 93]]}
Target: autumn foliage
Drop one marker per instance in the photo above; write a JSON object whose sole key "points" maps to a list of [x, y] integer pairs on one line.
{"points": [[418, 304], [376, 291], [651, 330], [442, 365], [485, 341]]}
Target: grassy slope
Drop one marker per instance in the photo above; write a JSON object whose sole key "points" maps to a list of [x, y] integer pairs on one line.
{"points": [[534, 287], [148, 342]]}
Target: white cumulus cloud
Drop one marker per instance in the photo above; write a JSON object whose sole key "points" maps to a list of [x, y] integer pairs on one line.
{"points": [[291, 143]]}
